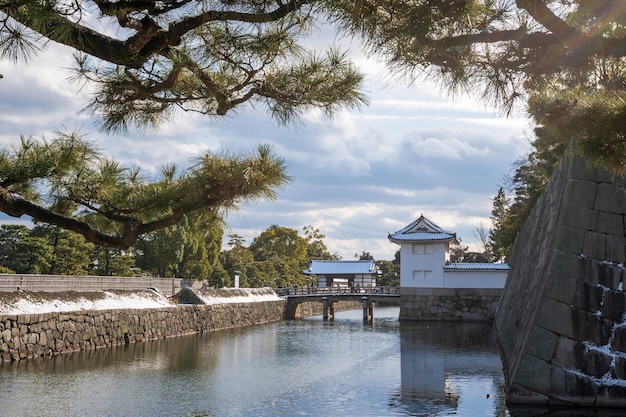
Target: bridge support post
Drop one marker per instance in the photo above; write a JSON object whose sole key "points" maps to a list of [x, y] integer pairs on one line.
{"points": [[328, 312], [368, 310]]}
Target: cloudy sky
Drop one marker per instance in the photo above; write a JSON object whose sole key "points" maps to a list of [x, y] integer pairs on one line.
{"points": [[357, 178]]}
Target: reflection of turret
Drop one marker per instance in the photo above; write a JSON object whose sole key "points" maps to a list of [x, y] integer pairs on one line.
{"points": [[438, 359]]}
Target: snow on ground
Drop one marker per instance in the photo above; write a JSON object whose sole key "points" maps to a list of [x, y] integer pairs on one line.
{"points": [[39, 302], [237, 295], [24, 302]]}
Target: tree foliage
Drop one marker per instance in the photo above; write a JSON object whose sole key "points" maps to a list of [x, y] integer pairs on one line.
{"points": [[147, 59], [316, 248], [66, 182], [504, 51]]}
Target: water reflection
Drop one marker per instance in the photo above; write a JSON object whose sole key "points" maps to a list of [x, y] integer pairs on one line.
{"points": [[577, 412], [306, 367], [449, 369]]}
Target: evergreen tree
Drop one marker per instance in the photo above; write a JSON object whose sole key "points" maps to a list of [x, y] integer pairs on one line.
{"points": [[316, 248], [151, 59], [112, 205], [72, 254], [501, 236]]}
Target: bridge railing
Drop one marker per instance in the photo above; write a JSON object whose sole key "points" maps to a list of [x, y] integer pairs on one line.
{"points": [[336, 290]]}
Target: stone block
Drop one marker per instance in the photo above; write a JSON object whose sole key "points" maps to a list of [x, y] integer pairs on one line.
{"points": [[541, 343], [618, 342], [611, 396], [588, 270], [610, 223], [569, 354], [534, 372], [614, 305], [578, 389], [583, 170], [594, 245], [610, 198], [570, 239], [568, 264], [590, 327], [619, 368], [589, 296], [579, 217], [609, 275], [517, 394], [580, 193], [549, 309], [615, 249], [596, 363]]}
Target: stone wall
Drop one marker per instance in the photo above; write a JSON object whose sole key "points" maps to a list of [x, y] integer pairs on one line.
{"points": [[449, 304], [561, 323], [33, 335]]}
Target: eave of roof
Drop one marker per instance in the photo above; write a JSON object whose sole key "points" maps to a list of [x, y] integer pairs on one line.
{"points": [[460, 266], [421, 230]]}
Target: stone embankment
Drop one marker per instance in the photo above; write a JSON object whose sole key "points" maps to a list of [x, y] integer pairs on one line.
{"points": [[561, 322], [46, 334], [49, 333], [449, 304]]}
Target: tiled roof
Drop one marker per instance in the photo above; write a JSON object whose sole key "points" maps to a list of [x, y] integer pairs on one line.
{"points": [[476, 267], [421, 230], [341, 267]]}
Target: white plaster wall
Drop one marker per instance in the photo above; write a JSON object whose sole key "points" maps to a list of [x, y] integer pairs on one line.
{"points": [[474, 279], [427, 262]]}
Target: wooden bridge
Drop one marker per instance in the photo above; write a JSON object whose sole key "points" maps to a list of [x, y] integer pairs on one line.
{"points": [[328, 296]]}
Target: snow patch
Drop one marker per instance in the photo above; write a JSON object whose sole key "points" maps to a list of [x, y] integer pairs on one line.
{"points": [[241, 295], [34, 303], [606, 380], [24, 302]]}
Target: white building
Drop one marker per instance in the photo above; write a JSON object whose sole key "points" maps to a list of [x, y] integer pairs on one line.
{"points": [[425, 260], [331, 273], [432, 288]]}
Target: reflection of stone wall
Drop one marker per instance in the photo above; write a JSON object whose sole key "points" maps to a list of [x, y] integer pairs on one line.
{"points": [[561, 322], [448, 304], [315, 309], [33, 335]]}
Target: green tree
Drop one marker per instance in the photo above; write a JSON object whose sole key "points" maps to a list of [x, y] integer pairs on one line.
{"points": [[235, 240], [316, 248], [10, 236], [22, 253], [212, 57], [364, 256], [112, 205], [114, 262], [526, 185], [32, 255], [389, 273], [238, 258], [189, 249], [502, 236], [153, 58], [285, 253], [278, 242], [72, 254]]}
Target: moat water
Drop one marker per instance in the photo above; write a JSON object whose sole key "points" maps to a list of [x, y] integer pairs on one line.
{"points": [[306, 367]]}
